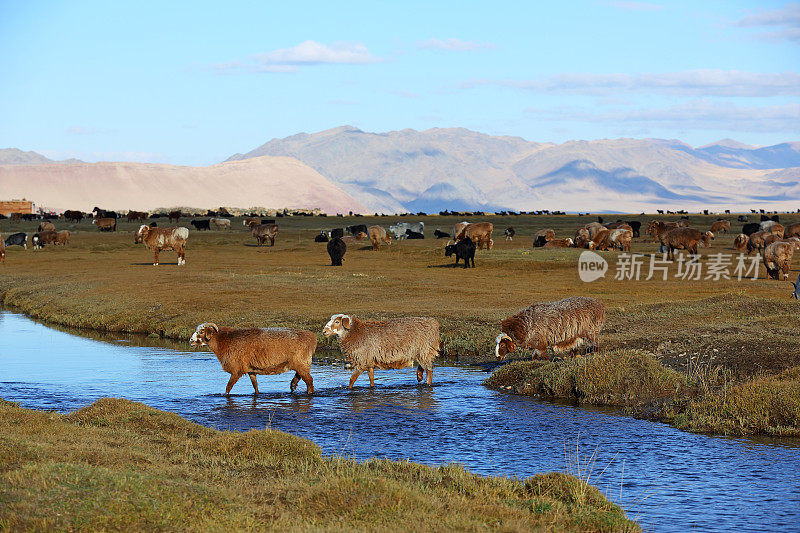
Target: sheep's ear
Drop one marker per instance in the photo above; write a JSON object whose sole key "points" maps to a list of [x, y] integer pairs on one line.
{"points": [[346, 322], [208, 329]]}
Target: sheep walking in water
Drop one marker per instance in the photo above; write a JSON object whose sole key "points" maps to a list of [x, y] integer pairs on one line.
{"points": [[563, 325], [396, 343]]}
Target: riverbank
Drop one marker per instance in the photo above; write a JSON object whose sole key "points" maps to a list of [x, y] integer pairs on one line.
{"points": [[708, 399], [121, 465]]}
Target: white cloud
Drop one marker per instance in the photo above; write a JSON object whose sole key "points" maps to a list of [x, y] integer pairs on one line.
{"points": [[80, 130], [314, 53], [785, 20], [636, 6], [701, 114], [687, 83], [453, 45]]}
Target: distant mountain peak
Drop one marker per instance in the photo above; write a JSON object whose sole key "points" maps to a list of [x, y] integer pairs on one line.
{"points": [[15, 156], [730, 143]]}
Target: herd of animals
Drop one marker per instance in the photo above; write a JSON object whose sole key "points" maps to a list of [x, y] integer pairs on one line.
{"points": [[561, 326]]}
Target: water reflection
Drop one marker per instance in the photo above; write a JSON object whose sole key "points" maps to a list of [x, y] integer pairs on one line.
{"points": [[672, 480]]}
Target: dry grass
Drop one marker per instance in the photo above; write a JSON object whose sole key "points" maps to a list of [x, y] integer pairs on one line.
{"points": [[120, 465]]}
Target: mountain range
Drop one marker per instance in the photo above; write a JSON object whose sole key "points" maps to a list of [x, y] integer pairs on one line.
{"points": [[459, 169]]}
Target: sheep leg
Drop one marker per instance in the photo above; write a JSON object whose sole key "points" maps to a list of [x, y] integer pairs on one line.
{"points": [[231, 382], [354, 377], [254, 381], [295, 380], [155, 259], [420, 372], [429, 372], [371, 378], [305, 375]]}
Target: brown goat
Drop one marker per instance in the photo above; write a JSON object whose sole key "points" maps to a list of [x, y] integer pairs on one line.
{"points": [[584, 242], [548, 234], [687, 239], [621, 237], [740, 242], [756, 241], [480, 233], [39, 240], [264, 232], [46, 226], [582, 233], [657, 228], [564, 325], [62, 237], [394, 343], [602, 240], [259, 351], [157, 239], [792, 230], [559, 243], [778, 257], [378, 235], [721, 226], [105, 224], [777, 229], [594, 228]]}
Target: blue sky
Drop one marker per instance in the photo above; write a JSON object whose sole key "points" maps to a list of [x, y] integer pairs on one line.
{"points": [[192, 83]]}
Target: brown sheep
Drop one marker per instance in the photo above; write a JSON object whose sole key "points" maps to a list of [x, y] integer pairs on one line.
{"points": [[46, 226], [548, 234], [564, 325], [687, 239], [657, 228], [582, 233], [584, 242], [594, 228], [756, 241], [740, 242], [621, 238], [378, 235], [62, 237], [559, 243], [395, 343], [792, 230], [778, 257], [480, 233], [39, 240], [105, 224], [175, 215], [602, 240], [720, 226], [262, 232], [777, 229], [157, 239], [256, 351]]}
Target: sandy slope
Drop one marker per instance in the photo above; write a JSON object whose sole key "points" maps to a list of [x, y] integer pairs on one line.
{"points": [[272, 182]]}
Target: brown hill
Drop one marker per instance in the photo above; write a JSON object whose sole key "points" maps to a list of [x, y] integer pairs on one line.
{"points": [[272, 182]]}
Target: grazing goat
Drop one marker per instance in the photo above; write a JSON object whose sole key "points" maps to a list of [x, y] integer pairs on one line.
{"points": [[602, 241], [740, 242], [62, 237], [792, 230], [582, 233], [463, 249], [509, 233], [46, 226], [777, 229], [721, 226], [778, 257], [220, 223], [543, 236], [378, 235], [657, 229], [584, 242], [256, 351], [157, 239], [40, 239], [17, 239], [559, 243], [440, 234], [621, 238], [756, 241], [263, 232], [105, 224], [336, 250], [594, 228], [395, 343], [564, 325], [687, 239]]}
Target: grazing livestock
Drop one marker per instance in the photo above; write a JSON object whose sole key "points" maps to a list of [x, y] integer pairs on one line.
{"points": [[559, 243], [251, 220], [463, 249], [756, 241], [657, 229], [264, 232], [394, 343], [220, 223], [543, 235], [62, 238], [157, 239], [635, 227], [509, 233], [103, 213], [792, 230], [440, 234], [749, 229], [721, 226], [480, 233], [414, 235], [73, 216], [322, 237], [458, 228], [255, 351], [378, 235], [201, 224], [602, 241], [740, 242], [594, 228], [683, 222], [778, 257], [584, 242], [399, 229], [777, 229], [46, 226], [621, 238], [563, 325], [17, 239], [336, 249], [175, 215], [40, 239], [356, 229], [137, 215], [352, 239], [582, 233], [686, 239], [105, 224]]}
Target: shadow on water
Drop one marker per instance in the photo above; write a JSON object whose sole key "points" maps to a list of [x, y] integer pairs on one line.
{"points": [[667, 479]]}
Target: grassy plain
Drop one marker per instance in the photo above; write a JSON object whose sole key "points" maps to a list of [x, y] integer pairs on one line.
{"points": [[716, 333]]}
